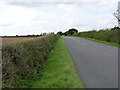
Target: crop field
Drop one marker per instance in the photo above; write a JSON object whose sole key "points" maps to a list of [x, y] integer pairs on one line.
{"points": [[9, 40]]}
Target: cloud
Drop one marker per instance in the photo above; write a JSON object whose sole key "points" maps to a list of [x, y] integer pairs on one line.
{"points": [[17, 15], [38, 3], [61, 1], [22, 18]]}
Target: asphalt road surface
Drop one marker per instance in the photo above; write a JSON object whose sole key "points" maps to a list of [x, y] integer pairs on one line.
{"points": [[96, 63]]}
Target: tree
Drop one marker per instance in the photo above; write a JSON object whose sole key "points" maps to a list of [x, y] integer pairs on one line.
{"points": [[72, 31], [16, 35], [60, 33], [65, 33], [44, 34], [117, 15]]}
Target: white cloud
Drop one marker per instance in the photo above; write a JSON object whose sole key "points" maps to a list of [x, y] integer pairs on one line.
{"points": [[84, 16], [17, 15], [68, 7], [83, 1]]}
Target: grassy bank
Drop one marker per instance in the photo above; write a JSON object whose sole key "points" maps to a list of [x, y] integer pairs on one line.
{"points": [[59, 70], [23, 59], [103, 42]]}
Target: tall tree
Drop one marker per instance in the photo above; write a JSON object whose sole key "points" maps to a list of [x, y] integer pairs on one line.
{"points": [[72, 31], [60, 33]]}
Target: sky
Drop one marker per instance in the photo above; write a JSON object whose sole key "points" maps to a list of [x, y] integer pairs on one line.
{"points": [[25, 17]]}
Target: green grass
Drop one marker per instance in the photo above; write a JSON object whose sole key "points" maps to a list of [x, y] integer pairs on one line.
{"points": [[99, 41], [59, 70]]}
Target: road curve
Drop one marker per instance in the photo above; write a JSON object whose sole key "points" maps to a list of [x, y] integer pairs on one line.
{"points": [[96, 63]]}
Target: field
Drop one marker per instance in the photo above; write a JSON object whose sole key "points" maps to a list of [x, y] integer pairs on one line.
{"points": [[9, 40]]}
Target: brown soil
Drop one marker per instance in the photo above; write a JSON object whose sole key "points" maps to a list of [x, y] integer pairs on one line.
{"points": [[8, 40]]}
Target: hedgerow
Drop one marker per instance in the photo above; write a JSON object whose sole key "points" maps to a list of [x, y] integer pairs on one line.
{"points": [[24, 59], [109, 35]]}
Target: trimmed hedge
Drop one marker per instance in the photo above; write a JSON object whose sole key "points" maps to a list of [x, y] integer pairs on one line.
{"points": [[24, 59]]}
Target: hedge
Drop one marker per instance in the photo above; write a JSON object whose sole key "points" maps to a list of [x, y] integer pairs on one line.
{"points": [[24, 59], [109, 35]]}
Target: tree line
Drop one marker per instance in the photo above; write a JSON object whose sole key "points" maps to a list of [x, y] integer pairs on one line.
{"points": [[38, 35], [69, 32]]}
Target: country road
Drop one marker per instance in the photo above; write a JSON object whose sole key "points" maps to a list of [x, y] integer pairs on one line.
{"points": [[96, 63]]}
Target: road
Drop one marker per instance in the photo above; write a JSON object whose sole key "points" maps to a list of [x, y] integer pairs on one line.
{"points": [[96, 63]]}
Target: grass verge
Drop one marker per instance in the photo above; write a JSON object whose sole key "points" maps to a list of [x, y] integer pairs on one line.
{"points": [[59, 70], [99, 41]]}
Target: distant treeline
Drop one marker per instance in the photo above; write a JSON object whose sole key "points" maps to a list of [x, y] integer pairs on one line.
{"points": [[38, 35], [109, 35]]}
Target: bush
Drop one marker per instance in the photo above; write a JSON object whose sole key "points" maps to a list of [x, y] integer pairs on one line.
{"points": [[24, 59]]}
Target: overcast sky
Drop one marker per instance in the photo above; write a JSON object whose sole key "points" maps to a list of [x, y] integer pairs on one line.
{"points": [[28, 17]]}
